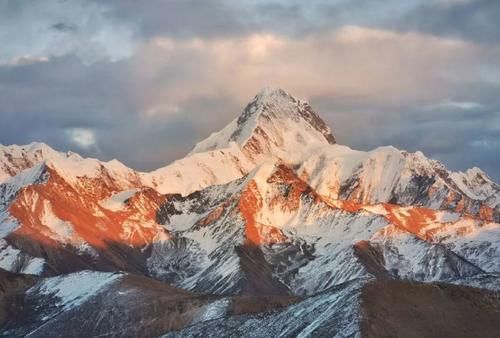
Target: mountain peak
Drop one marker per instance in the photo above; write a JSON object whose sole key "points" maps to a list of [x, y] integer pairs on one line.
{"points": [[273, 124], [269, 93], [266, 98]]}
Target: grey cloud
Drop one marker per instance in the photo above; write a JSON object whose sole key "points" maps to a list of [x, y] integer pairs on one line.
{"points": [[223, 18], [40, 28], [118, 24], [476, 20], [183, 18]]}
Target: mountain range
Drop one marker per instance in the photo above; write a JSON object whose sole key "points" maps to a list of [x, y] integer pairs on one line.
{"points": [[267, 228]]}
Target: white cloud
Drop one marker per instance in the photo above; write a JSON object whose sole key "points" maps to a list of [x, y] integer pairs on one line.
{"points": [[24, 60], [82, 137], [485, 143], [164, 109], [454, 105]]}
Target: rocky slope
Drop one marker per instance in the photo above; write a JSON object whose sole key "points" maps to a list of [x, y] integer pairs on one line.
{"points": [[117, 304], [370, 308], [309, 242]]}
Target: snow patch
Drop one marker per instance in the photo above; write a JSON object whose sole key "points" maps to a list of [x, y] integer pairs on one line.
{"points": [[76, 288], [117, 201], [35, 266], [215, 310], [13, 260]]}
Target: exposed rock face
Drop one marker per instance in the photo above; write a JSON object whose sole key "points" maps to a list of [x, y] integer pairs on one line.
{"points": [[270, 208], [12, 287]]}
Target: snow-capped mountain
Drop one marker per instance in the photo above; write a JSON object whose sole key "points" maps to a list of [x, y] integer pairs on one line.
{"points": [[269, 206], [275, 124]]}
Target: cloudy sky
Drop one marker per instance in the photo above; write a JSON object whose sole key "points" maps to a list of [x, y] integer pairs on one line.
{"points": [[143, 81]]}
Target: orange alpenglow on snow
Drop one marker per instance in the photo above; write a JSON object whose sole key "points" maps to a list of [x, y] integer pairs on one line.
{"points": [[80, 209]]}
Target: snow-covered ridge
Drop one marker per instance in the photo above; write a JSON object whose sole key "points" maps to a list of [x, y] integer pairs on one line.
{"points": [[277, 127], [390, 175], [16, 158], [477, 185], [12, 259], [333, 313], [200, 170]]}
